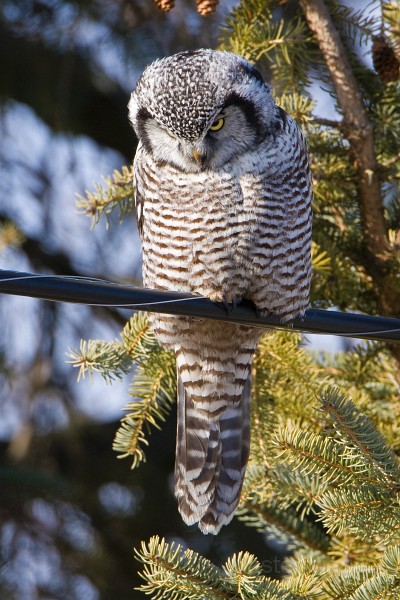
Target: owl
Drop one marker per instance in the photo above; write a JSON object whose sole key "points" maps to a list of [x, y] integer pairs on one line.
{"points": [[223, 197]]}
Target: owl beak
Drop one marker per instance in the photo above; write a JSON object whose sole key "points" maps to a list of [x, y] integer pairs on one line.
{"points": [[199, 156]]}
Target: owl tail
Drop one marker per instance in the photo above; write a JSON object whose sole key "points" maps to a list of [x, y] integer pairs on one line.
{"points": [[213, 437]]}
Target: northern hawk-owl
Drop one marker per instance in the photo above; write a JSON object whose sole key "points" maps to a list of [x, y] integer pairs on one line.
{"points": [[223, 195]]}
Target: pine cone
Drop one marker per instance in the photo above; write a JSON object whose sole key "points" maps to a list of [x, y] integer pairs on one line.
{"points": [[206, 7], [385, 61], [165, 5]]}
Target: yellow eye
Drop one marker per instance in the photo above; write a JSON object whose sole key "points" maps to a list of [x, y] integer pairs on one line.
{"points": [[218, 124]]}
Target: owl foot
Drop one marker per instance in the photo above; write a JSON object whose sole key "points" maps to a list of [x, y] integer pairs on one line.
{"points": [[264, 313], [230, 306], [229, 302]]}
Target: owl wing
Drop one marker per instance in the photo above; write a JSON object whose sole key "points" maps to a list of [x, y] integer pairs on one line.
{"points": [[139, 192], [282, 244]]}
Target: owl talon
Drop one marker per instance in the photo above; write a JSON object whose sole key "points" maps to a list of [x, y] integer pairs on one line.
{"points": [[230, 307], [264, 313], [261, 313]]}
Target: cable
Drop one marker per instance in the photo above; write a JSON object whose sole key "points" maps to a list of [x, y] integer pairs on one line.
{"points": [[96, 280], [97, 292]]}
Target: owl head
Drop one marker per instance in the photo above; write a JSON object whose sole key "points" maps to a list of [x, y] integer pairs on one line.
{"points": [[201, 110]]}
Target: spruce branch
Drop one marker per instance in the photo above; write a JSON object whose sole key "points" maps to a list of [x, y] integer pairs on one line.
{"points": [[10, 236], [366, 582], [137, 337], [172, 572], [116, 192], [110, 359], [281, 364], [363, 444], [255, 31], [377, 587], [385, 114], [271, 590], [246, 571], [391, 23], [154, 396], [342, 585], [305, 578], [260, 425], [315, 455], [367, 513], [297, 489], [153, 388], [356, 26], [321, 260], [391, 560], [298, 106], [283, 524]]}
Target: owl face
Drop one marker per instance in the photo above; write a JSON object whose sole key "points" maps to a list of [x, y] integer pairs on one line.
{"points": [[201, 110]]}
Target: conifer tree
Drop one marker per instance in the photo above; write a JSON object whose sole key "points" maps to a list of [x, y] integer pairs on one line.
{"points": [[324, 472]]}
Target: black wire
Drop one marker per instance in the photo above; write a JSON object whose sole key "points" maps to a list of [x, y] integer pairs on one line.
{"points": [[97, 292]]}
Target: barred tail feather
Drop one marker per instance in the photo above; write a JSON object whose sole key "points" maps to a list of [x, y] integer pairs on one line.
{"points": [[213, 441]]}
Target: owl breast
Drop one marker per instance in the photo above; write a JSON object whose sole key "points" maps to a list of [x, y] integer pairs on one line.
{"points": [[198, 231]]}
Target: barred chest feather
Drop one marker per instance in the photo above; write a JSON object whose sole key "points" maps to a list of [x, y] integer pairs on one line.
{"points": [[198, 232]]}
